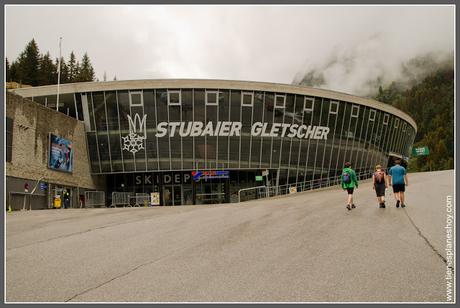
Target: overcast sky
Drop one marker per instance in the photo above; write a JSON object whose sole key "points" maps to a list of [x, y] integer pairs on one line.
{"points": [[261, 43]]}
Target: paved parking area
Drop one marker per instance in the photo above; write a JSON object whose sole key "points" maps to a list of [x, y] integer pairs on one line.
{"points": [[301, 248]]}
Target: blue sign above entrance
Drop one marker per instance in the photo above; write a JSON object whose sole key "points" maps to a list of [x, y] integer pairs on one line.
{"points": [[208, 175]]}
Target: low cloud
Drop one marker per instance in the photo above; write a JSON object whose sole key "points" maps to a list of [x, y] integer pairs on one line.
{"points": [[361, 68], [344, 48]]}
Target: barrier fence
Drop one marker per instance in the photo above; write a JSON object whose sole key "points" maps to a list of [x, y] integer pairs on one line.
{"points": [[142, 199], [120, 199], [259, 192], [129, 199], [94, 199]]}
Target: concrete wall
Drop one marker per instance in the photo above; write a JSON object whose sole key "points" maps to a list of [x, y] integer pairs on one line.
{"points": [[32, 124]]}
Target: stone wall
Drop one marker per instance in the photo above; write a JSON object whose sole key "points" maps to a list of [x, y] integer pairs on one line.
{"points": [[32, 124]]}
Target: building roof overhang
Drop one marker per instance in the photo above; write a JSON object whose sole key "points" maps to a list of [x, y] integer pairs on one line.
{"points": [[209, 84]]}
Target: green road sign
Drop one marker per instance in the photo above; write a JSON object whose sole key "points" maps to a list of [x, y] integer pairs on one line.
{"points": [[259, 178], [422, 151]]}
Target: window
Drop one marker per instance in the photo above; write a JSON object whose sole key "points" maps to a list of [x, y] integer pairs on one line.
{"points": [[9, 138], [386, 118], [396, 123], [334, 107], [247, 99], [308, 104], [174, 97], [372, 115], [404, 127], [280, 101], [354, 111], [135, 99], [212, 98]]}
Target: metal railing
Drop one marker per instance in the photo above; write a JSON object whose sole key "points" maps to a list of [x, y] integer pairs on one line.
{"points": [[120, 198], [94, 199], [259, 192], [142, 199], [129, 199]]}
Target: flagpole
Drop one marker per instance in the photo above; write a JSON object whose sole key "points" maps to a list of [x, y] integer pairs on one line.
{"points": [[59, 75]]}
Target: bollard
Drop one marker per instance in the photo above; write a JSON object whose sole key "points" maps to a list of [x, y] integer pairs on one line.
{"points": [[24, 204]]}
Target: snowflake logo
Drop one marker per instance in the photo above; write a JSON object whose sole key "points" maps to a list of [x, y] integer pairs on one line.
{"points": [[133, 142]]}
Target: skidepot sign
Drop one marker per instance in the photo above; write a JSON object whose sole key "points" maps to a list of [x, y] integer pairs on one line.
{"points": [[137, 131]]}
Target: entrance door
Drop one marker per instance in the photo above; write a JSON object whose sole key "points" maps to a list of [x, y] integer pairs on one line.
{"points": [[211, 192], [172, 195]]}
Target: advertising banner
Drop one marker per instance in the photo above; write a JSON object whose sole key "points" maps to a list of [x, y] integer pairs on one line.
{"points": [[60, 154], [155, 198], [209, 175]]}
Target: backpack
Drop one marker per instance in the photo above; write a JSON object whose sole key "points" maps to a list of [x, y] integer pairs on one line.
{"points": [[379, 177], [346, 178]]}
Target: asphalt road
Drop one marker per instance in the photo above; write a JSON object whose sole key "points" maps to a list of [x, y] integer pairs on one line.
{"points": [[301, 248]]}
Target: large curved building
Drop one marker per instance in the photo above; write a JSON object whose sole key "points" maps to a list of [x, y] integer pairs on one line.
{"points": [[200, 141]]}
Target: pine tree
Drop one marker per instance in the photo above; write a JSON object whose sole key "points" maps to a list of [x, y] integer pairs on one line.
{"points": [[28, 64], [34, 69], [64, 71], [72, 67], [86, 69], [47, 70], [77, 72], [13, 71]]}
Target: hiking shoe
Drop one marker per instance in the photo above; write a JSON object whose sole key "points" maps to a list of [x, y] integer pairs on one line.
{"points": [[397, 203], [403, 205], [353, 206], [348, 207]]}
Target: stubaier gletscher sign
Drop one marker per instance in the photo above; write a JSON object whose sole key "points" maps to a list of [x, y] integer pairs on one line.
{"points": [[137, 130], [229, 129]]}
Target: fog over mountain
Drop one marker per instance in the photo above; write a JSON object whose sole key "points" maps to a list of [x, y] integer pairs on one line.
{"points": [[360, 69]]}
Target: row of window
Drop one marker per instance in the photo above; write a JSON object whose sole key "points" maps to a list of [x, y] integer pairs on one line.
{"points": [[212, 97], [247, 100], [356, 128], [355, 138]]}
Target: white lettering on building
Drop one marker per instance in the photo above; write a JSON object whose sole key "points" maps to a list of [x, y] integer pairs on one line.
{"points": [[229, 129]]}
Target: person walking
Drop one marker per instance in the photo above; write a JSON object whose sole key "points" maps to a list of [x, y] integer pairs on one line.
{"points": [[349, 182], [398, 180], [66, 196], [379, 185]]}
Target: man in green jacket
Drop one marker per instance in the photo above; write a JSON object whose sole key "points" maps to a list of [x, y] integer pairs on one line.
{"points": [[349, 182]]}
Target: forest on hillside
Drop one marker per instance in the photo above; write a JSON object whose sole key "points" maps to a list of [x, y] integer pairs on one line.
{"points": [[430, 103]]}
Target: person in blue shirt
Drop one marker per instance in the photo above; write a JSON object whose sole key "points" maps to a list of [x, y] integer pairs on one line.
{"points": [[398, 179]]}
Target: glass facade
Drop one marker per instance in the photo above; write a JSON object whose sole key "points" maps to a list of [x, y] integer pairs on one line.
{"points": [[357, 133]]}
